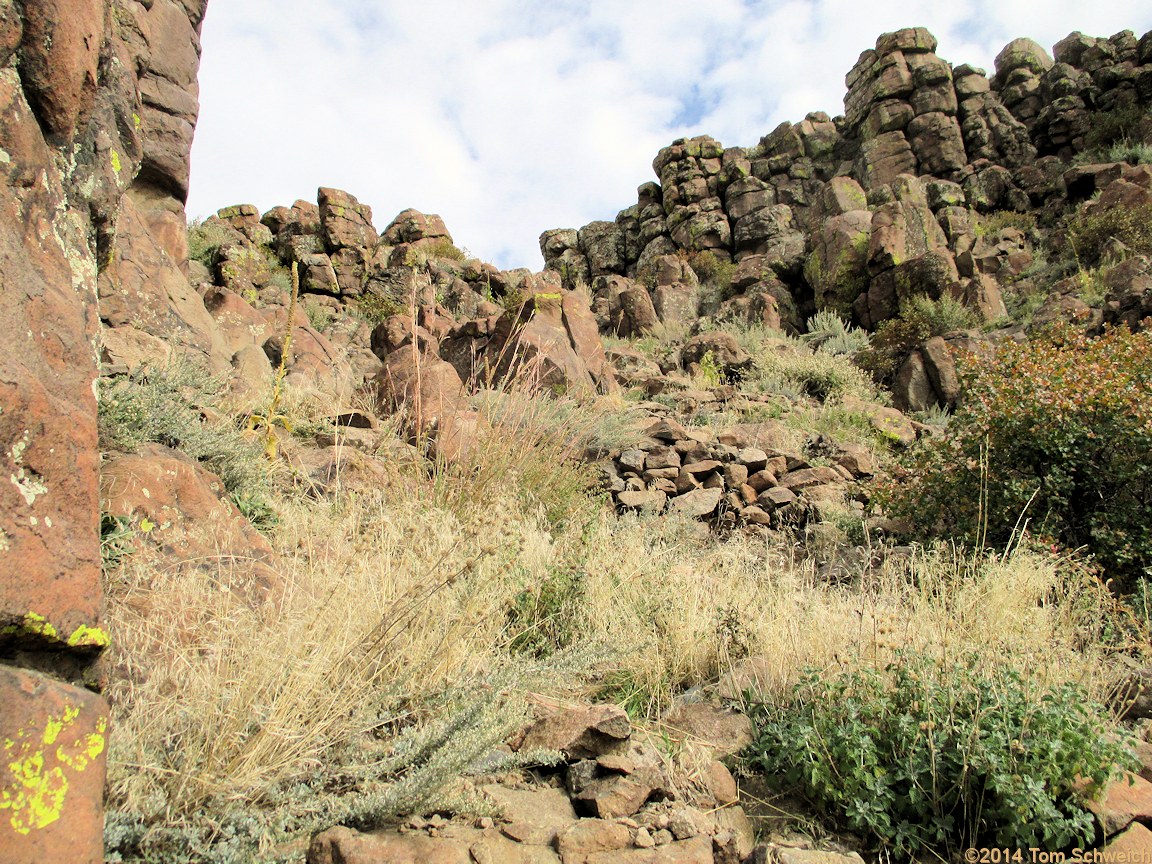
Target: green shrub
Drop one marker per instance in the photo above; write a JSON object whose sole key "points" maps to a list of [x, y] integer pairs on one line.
{"points": [[1132, 152], [1123, 123], [116, 535], [920, 318], [541, 618], [319, 317], [1057, 431], [205, 239], [1090, 233], [164, 406], [934, 755], [830, 333], [376, 307], [803, 373], [709, 268], [445, 248], [991, 224]]}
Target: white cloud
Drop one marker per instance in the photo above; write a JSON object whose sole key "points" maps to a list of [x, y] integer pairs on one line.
{"points": [[509, 117]]}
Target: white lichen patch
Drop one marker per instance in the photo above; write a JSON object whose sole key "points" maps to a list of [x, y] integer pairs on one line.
{"points": [[30, 485], [5, 543]]}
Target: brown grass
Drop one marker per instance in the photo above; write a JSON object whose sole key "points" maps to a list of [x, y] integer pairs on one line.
{"points": [[392, 598]]}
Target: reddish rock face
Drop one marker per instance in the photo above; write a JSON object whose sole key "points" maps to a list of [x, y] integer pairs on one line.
{"points": [[53, 747], [49, 542], [179, 509], [59, 56], [73, 131]]}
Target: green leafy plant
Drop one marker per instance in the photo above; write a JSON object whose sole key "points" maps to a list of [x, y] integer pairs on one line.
{"points": [[376, 307], [920, 318], [319, 317], [167, 405], [205, 238], [266, 422], [709, 268], [786, 366], [711, 371], [1092, 233], [116, 534], [541, 616], [939, 754], [1132, 152], [991, 224], [445, 248], [1123, 123], [1056, 431]]}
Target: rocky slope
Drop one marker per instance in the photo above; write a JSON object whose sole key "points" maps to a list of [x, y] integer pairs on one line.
{"points": [[901, 197]]}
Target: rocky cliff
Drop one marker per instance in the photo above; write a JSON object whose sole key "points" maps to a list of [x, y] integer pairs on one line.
{"points": [[99, 104]]}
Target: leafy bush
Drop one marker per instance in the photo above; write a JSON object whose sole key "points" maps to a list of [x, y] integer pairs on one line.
{"points": [[1123, 123], [445, 248], [940, 756], [787, 367], [991, 224], [1092, 232], [709, 268], [319, 317], [920, 318], [1132, 152], [1057, 430], [542, 615], [376, 307]]}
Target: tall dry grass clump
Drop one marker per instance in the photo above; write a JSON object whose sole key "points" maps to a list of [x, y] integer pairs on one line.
{"points": [[684, 611]]}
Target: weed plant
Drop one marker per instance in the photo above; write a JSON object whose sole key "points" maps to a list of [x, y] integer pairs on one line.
{"points": [[1092, 233], [933, 754], [920, 318]]}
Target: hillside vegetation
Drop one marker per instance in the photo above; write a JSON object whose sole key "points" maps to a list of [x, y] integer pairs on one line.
{"points": [[819, 480]]}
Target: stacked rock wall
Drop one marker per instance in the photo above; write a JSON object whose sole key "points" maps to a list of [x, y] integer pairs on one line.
{"points": [[98, 101]]}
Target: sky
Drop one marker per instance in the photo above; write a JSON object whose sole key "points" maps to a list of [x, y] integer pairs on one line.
{"points": [[511, 117]]}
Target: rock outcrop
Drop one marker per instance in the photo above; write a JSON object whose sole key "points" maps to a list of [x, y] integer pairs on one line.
{"points": [[99, 101], [856, 213]]}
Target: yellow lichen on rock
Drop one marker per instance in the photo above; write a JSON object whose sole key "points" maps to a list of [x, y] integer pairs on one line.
{"points": [[38, 780]]}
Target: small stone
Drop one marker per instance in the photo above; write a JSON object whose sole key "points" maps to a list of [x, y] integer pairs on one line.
{"points": [[666, 430], [753, 458], [633, 459], [721, 783], [662, 837], [644, 839], [755, 516], [700, 502], [681, 825], [777, 497], [698, 469]]}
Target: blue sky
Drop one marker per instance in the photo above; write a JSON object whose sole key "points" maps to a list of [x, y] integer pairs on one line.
{"points": [[510, 117]]}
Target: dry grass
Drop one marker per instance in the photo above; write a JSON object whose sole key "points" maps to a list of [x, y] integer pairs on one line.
{"points": [[392, 599], [682, 611]]}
